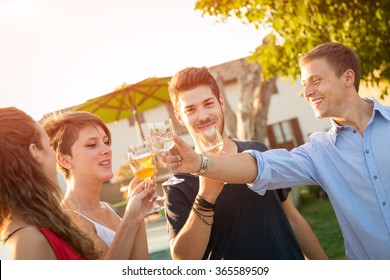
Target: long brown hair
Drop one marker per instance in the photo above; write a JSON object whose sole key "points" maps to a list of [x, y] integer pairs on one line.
{"points": [[24, 188]]}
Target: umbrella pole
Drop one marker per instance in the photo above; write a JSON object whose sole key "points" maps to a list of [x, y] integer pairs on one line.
{"points": [[140, 133]]}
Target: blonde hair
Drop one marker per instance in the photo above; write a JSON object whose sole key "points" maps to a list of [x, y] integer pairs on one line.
{"points": [[63, 130], [339, 57]]}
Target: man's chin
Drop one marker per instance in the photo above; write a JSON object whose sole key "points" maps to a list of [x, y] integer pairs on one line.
{"points": [[318, 115]]}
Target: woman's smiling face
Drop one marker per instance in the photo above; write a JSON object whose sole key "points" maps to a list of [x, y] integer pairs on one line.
{"points": [[91, 154]]}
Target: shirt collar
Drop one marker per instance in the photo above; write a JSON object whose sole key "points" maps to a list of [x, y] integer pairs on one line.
{"points": [[334, 131], [378, 107]]}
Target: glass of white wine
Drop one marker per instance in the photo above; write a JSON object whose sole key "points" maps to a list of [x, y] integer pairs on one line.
{"points": [[142, 163], [209, 141], [161, 135]]}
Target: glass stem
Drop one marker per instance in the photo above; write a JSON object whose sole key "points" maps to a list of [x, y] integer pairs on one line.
{"points": [[169, 165]]}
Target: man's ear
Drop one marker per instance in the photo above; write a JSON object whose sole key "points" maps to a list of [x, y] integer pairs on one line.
{"points": [[178, 117], [222, 102], [350, 77], [63, 160], [36, 152]]}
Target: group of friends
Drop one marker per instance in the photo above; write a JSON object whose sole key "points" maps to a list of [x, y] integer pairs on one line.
{"points": [[234, 205]]}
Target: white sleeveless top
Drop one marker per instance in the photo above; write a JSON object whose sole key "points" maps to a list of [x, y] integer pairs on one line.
{"points": [[105, 233]]}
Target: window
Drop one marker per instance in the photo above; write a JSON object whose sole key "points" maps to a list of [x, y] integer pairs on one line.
{"points": [[285, 134]]}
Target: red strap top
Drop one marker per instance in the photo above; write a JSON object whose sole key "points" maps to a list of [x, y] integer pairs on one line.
{"points": [[61, 248]]}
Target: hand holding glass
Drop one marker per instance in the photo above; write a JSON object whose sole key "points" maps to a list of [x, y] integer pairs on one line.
{"points": [[161, 134], [143, 165]]}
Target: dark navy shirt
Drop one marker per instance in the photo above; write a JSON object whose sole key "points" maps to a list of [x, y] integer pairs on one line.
{"points": [[247, 226]]}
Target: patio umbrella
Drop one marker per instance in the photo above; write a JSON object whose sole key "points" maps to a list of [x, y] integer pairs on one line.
{"points": [[129, 100]]}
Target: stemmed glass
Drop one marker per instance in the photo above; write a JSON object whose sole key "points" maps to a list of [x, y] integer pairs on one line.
{"points": [[209, 141], [142, 163], [161, 134]]}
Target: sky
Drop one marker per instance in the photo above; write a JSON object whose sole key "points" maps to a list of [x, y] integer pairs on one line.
{"points": [[55, 54]]}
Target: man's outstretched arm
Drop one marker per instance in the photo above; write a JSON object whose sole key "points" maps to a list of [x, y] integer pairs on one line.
{"points": [[236, 169]]}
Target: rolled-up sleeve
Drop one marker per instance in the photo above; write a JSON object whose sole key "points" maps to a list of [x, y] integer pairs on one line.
{"points": [[255, 185], [279, 169]]}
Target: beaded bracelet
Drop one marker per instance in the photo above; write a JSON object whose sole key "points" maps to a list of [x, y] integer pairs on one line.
{"points": [[201, 204], [202, 217], [204, 203]]}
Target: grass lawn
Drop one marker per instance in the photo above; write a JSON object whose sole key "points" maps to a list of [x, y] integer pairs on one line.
{"points": [[320, 215]]}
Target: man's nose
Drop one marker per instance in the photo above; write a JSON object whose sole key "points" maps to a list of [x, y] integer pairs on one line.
{"points": [[203, 114], [308, 90]]}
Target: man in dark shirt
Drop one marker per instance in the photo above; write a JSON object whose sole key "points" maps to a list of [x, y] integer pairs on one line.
{"points": [[210, 220]]}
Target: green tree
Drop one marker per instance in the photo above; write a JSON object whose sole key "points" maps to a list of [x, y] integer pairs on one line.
{"points": [[298, 26]]}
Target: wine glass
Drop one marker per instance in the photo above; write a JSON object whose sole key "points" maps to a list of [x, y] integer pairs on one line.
{"points": [[142, 163], [209, 141], [161, 134]]}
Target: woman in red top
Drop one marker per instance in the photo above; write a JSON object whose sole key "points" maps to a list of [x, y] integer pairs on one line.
{"points": [[32, 223]]}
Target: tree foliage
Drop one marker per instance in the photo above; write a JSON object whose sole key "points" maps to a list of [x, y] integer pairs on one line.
{"points": [[298, 26]]}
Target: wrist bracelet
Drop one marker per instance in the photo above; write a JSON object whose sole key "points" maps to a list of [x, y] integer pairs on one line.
{"points": [[204, 203], [204, 166], [202, 217]]}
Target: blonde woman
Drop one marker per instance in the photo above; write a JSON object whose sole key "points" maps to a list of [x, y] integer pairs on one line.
{"points": [[82, 142]]}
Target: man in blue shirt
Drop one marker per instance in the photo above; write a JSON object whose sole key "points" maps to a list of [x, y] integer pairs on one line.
{"points": [[351, 161]]}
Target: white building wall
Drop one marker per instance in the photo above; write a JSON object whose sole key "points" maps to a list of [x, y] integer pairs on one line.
{"points": [[288, 104], [122, 135]]}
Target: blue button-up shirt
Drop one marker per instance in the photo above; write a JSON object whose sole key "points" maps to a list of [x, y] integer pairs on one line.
{"points": [[353, 170]]}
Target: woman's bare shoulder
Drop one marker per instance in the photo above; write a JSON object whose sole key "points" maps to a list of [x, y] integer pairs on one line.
{"points": [[28, 244]]}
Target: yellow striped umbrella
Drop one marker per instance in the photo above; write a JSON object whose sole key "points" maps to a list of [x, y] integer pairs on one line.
{"points": [[129, 100]]}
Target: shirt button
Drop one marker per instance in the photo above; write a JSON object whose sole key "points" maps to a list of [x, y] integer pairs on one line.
{"points": [[384, 203], [375, 177], [354, 131], [367, 151]]}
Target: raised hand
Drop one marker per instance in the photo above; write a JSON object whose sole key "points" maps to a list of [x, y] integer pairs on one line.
{"points": [[183, 157], [141, 196]]}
